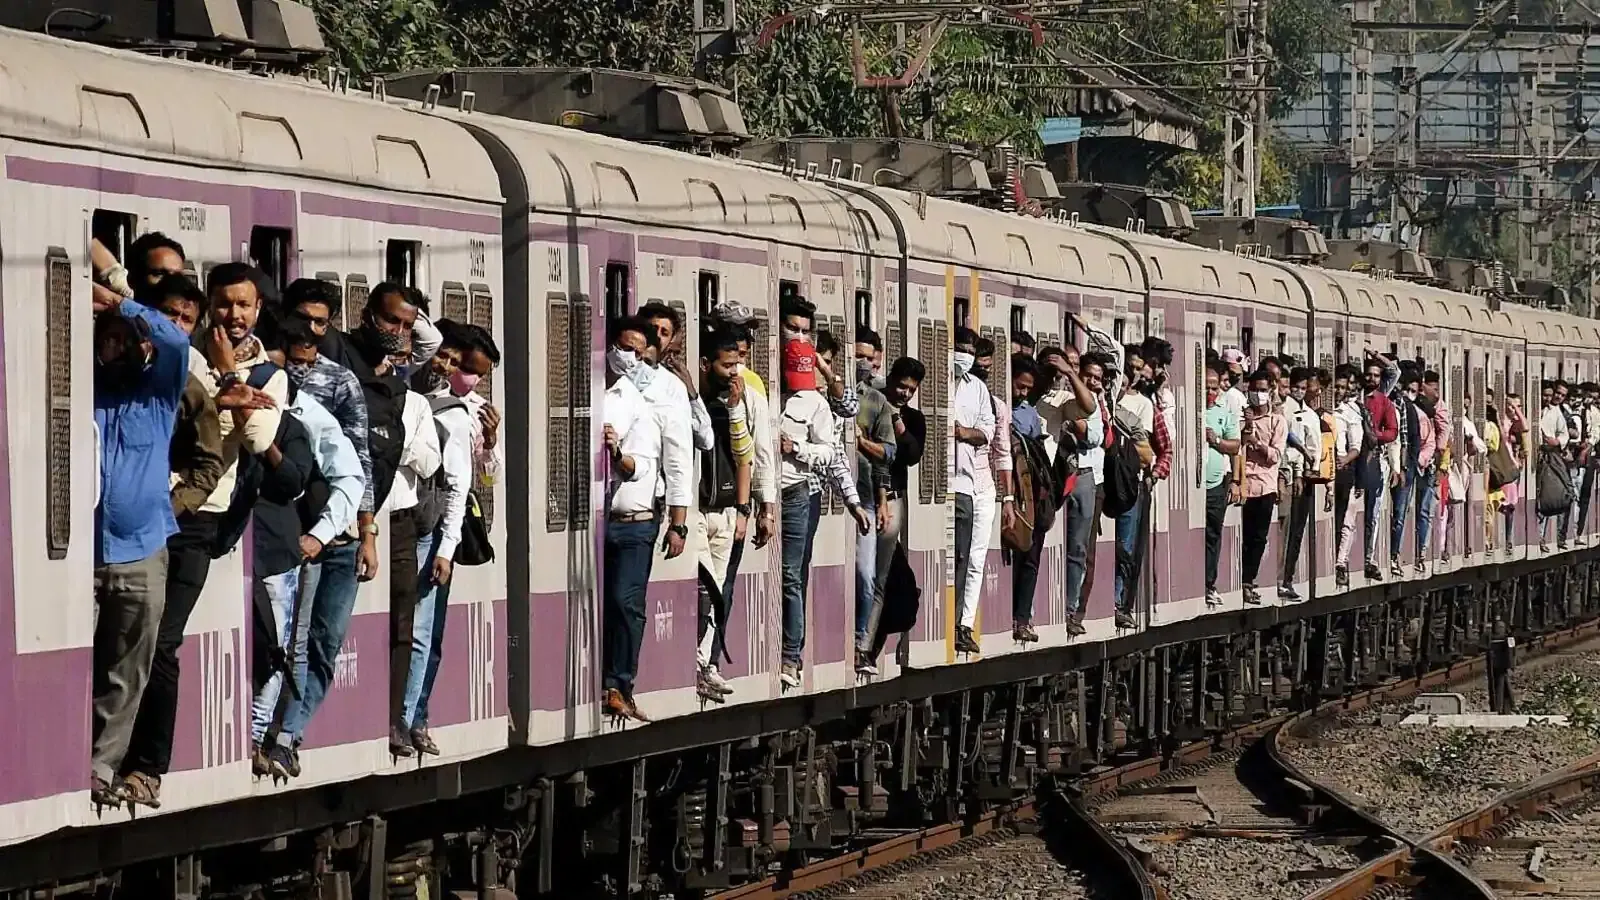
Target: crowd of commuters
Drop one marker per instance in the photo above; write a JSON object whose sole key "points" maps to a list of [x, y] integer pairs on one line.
{"points": [[239, 407]]}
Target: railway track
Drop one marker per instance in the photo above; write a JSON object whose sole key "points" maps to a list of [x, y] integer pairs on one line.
{"points": [[1237, 803]]}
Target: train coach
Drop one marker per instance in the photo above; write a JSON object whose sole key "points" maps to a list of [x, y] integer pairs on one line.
{"points": [[544, 234]]}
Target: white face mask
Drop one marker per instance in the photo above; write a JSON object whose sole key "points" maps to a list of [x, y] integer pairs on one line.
{"points": [[1259, 398], [795, 334], [620, 361], [739, 368], [963, 363]]}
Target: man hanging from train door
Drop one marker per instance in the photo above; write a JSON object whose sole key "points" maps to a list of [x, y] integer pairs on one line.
{"points": [[723, 514], [807, 434], [974, 428], [1222, 437], [875, 449], [910, 434], [1304, 457], [759, 419], [1037, 491]]}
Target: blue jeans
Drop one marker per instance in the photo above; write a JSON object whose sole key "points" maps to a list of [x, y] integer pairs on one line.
{"points": [[866, 574], [1402, 505], [630, 552], [328, 620], [1427, 505], [798, 528], [1127, 552], [282, 591], [427, 635], [1080, 528]]}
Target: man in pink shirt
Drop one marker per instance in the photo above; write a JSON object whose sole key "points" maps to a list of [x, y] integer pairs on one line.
{"points": [[1265, 434]]}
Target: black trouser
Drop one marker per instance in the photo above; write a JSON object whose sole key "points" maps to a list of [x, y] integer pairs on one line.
{"points": [[402, 606], [1585, 494], [1257, 520], [1216, 514], [1299, 515], [188, 563], [1025, 575]]}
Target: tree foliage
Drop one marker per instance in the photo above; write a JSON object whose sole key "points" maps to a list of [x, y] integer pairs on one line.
{"points": [[983, 85]]}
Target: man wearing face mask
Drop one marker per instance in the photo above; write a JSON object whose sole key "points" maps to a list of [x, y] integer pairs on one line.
{"points": [[975, 427], [1405, 481], [633, 441], [141, 369], [758, 418], [1265, 434], [1302, 461], [875, 449], [1233, 383], [807, 439]]}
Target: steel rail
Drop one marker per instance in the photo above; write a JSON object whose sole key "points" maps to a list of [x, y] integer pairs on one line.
{"points": [[1392, 865]]}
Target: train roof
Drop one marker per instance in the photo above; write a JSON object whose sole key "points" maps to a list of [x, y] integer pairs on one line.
{"points": [[58, 91]]}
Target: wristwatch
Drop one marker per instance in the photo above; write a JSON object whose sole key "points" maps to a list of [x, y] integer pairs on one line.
{"points": [[743, 509], [681, 531], [1008, 499]]}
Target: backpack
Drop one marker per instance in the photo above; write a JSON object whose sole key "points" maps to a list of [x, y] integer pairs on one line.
{"points": [[718, 470], [247, 477], [431, 491], [1122, 473], [1555, 484], [1037, 491]]}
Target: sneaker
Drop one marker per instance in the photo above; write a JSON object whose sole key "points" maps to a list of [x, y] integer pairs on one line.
{"points": [[1075, 625], [1251, 595], [1023, 633], [1372, 572], [294, 761], [789, 674], [259, 766], [1213, 597], [965, 642], [715, 679], [1125, 621], [280, 761], [1395, 569], [1544, 547], [1341, 576], [865, 665], [423, 741], [1561, 546], [141, 789], [1420, 570], [1287, 592], [707, 690]]}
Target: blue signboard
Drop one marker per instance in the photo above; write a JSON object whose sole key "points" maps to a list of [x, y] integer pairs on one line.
{"points": [[1061, 131]]}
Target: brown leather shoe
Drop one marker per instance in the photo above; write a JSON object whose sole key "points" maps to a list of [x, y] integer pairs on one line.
{"points": [[617, 705]]}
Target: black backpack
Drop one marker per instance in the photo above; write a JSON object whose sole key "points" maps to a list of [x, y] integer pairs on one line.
{"points": [[1122, 470], [718, 469], [431, 491], [246, 480]]}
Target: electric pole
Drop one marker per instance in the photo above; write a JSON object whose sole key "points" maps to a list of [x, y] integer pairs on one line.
{"points": [[1246, 74]]}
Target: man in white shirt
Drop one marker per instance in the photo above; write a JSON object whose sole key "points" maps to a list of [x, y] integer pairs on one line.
{"points": [[972, 483], [685, 424], [806, 438], [1303, 456], [1590, 418], [634, 443], [1083, 434], [445, 384], [759, 419], [1553, 439], [1349, 416]]}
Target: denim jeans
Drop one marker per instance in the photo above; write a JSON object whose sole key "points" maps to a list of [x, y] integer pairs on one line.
{"points": [[1080, 533], [630, 552], [1427, 506], [866, 574], [329, 619], [1402, 506], [798, 524], [1128, 553], [1025, 574], [883, 555], [283, 592], [1216, 517], [427, 631]]}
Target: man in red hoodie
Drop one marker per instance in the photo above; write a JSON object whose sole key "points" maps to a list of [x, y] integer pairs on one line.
{"points": [[1380, 429]]}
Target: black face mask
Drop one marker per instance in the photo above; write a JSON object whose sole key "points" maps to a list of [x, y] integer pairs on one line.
{"points": [[122, 373], [980, 372], [389, 343], [425, 380]]}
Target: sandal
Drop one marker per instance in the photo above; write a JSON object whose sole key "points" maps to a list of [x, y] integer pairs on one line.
{"points": [[142, 789], [423, 741], [104, 793]]}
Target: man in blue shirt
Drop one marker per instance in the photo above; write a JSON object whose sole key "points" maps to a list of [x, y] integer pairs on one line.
{"points": [[141, 368]]}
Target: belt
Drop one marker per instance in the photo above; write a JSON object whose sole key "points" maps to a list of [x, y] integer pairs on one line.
{"points": [[632, 517], [894, 495]]}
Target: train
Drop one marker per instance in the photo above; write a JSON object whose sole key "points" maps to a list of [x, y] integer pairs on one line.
{"points": [[543, 234]]}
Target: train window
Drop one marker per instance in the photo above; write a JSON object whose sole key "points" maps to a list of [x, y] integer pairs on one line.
{"points": [[58, 375], [329, 277], [710, 293], [401, 260], [355, 300], [1338, 350], [1019, 319], [1247, 340], [788, 292], [963, 309], [1394, 350], [269, 252], [1211, 336], [863, 309], [558, 397], [1200, 404], [930, 401], [453, 302], [115, 231], [1119, 328], [1283, 343], [893, 345], [939, 373], [618, 303], [761, 346], [481, 314]]}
